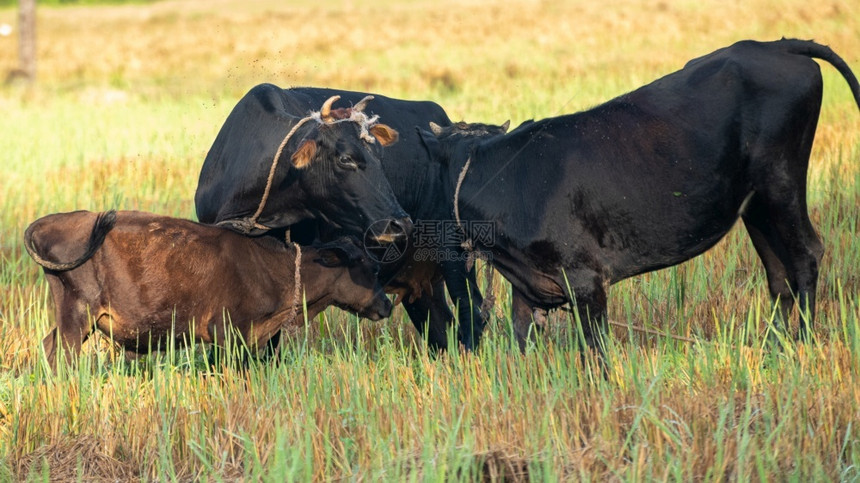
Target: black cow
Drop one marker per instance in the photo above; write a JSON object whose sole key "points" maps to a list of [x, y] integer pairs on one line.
{"points": [[236, 167], [331, 171], [651, 179]]}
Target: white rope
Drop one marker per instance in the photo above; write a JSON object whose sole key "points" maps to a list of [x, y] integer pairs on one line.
{"points": [[274, 167], [489, 295], [297, 290], [457, 194]]}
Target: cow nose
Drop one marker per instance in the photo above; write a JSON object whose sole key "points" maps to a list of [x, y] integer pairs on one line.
{"points": [[386, 308], [404, 225], [396, 230], [382, 309]]}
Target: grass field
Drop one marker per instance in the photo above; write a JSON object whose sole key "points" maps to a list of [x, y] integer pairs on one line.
{"points": [[129, 100]]}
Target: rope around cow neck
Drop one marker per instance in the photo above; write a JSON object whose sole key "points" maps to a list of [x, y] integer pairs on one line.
{"points": [[489, 295], [297, 290], [323, 116], [271, 178], [245, 225], [457, 199]]}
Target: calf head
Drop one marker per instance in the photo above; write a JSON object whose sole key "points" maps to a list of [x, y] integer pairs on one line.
{"points": [[357, 288], [340, 173]]}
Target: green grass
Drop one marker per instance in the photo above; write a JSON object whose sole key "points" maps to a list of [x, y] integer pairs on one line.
{"points": [[129, 99]]}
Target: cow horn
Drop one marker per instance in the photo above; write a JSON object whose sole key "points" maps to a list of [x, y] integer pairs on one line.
{"points": [[437, 129], [362, 104], [325, 112]]}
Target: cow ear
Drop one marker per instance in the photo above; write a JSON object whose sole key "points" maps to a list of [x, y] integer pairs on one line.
{"points": [[303, 156], [431, 144], [384, 134]]}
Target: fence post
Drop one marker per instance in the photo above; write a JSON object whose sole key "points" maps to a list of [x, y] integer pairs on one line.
{"points": [[27, 40]]}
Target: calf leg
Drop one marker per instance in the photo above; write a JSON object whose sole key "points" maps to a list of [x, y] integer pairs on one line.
{"points": [[231, 345], [73, 327]]}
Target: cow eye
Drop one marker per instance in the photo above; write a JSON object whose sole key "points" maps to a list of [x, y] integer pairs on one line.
{"points": [[345, 161]]}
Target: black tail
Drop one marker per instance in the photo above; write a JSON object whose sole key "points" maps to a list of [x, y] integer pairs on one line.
{"points": [[823, 52], [105, 221]]}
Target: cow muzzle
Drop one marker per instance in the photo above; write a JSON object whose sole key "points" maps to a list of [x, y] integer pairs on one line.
{"points": [[381, 309], [392, 231]]}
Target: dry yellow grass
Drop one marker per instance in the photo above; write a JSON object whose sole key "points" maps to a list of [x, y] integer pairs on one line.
{"points": [[129, 99]]}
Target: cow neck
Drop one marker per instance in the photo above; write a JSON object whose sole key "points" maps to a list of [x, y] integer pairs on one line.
{"points": [[457, 173], [248, 224], [468, 244], [273, 169]]}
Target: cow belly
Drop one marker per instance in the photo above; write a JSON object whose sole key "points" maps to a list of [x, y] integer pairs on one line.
{"points": [[157, 327], [543, 286], [664, 248]]}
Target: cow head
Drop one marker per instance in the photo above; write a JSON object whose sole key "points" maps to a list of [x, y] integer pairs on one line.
{"points": [[455, 141], [338, 170], [474, 129], [358, 290]]}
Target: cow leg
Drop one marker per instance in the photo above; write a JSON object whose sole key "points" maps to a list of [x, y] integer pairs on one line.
{"points": [[72, 328], [526, 319], [464, 291], [778, 281], [790, 251], [431, 316], [589, 297]]}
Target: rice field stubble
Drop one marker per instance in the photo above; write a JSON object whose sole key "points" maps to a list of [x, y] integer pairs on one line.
{"points": [[128, 101]]}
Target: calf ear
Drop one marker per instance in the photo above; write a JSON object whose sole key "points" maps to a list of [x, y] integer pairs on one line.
{"points": [[303, 156], [386, 135], [333, 256], [343, 251]]}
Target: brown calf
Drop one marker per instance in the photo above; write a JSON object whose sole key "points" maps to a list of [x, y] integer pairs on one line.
{"points": [[145, 278]]}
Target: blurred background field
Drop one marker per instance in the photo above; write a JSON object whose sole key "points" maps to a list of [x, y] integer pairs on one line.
{"points": [[130, 96]]}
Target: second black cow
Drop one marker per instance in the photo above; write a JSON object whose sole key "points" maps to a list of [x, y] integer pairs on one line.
{"points": [[651, 179]]}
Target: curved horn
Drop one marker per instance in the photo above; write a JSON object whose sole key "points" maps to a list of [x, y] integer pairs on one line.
{"points": [[362, 103], [437, 129], [325, 112]]}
